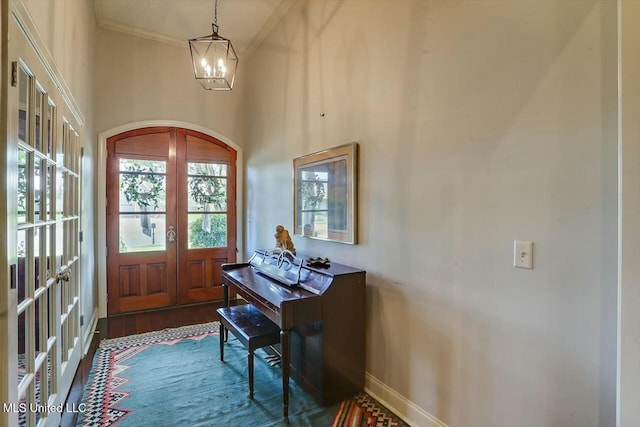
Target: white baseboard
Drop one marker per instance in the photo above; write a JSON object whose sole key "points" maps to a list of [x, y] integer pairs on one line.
{"points": [[410, 413], [89, 331]]}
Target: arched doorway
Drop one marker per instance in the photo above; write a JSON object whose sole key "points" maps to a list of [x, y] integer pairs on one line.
{"points": [[170, 217]]}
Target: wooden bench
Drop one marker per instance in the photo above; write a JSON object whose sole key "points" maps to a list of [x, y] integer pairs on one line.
{"points": [[251, 327]]}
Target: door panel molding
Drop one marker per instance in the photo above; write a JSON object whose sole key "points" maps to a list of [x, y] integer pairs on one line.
{"points": [[101, 189]]}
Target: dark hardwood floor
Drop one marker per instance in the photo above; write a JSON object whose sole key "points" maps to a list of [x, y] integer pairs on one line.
{"points": [[129, 324]]}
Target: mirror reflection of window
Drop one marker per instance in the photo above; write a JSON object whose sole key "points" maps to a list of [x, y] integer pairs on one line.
{"points": [[323, 198], [337, 196], [325, 194]]}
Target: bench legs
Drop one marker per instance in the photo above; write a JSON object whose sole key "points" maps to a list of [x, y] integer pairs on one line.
{"points": [[255, 330]]}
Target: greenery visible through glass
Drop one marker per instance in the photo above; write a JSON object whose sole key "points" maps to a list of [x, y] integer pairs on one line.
{"points": [[207, 231], [207, 194], [325, 191], [22, 185], [37, 246], [207, 169], [22, 267], [142, 182], [37, 190], [207, 190]]}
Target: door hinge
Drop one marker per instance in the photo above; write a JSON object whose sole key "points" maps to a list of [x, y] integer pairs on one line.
{"points": [[106, 296], [13, 270], [81, 320], [14, 74], [80, 236]]}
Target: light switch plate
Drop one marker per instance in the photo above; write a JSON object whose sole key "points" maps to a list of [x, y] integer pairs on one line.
{"points": [[523, 254]]}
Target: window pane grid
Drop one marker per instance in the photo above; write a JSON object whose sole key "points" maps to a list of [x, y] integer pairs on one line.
{"points": [[207, 205]]}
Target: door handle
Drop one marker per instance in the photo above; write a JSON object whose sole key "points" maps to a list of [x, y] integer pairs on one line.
{"points": [[171, 234]]}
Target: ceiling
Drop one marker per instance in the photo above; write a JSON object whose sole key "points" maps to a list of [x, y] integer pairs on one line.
{"points": [[245, 22]]}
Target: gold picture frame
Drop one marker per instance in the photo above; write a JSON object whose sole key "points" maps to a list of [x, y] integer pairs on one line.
{"points": [[325, 194]]}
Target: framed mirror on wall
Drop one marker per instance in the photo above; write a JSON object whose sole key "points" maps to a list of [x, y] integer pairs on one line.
{"points": [[325, 194]]}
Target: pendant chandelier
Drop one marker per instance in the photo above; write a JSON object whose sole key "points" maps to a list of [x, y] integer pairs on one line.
{"points": [[214, 60]]}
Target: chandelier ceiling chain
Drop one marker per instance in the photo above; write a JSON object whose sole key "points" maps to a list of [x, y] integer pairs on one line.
{"points": [[215, 18]]}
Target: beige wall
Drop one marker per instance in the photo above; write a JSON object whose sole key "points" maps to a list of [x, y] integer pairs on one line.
{"points": [[139, 79], [479, 123]]}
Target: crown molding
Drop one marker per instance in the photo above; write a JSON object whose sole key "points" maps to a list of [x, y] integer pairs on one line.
{"points": [[137, 32], [273, 20]]}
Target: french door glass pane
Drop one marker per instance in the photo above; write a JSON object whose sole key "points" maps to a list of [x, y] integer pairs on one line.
{"points": [[49, 252], [66, 206], [60, 244], [207, 169], [142, 232], [66, 234], [207, 204], [22, 265], [207, 194], [22, 344], [48, 191], [37, 189], [38, 135], [36, 328], [50, 380], [142, 185], [22, 185], [43, 327], [39, 394], [50, 112], [24, 89], [36, 255], [207, 230], [60, 176]]}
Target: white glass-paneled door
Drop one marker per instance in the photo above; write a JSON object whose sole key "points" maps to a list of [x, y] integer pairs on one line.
{"points": [[42, 226]]}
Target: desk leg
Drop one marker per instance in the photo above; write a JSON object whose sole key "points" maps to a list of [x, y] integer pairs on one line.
{"points": [[285, 339]]}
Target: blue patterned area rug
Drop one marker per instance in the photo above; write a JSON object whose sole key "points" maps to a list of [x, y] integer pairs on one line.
{"points": [[175, 378]]}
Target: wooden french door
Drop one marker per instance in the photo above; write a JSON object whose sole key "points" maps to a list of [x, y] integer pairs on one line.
{"points": [[171, 219]]}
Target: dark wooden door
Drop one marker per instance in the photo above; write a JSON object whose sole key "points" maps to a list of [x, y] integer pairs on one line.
{"points": [[170, 218]]}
